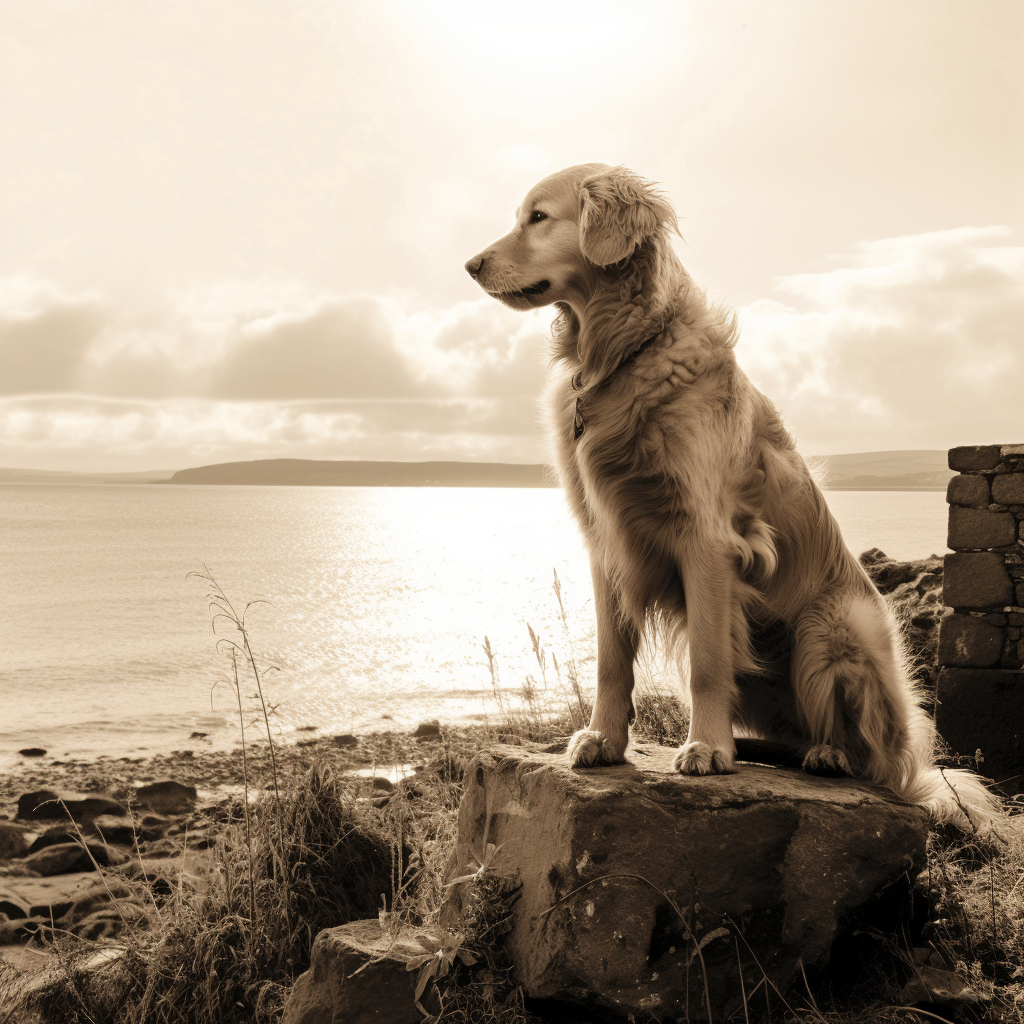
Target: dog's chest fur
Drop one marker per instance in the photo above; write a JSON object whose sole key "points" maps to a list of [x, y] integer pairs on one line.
{"points": [[634, 474]]}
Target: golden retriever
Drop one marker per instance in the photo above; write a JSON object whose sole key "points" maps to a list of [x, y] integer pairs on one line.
{"points": [[698, 512]]}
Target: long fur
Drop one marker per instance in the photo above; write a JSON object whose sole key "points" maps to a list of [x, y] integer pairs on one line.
{"points": [[699, 514]]}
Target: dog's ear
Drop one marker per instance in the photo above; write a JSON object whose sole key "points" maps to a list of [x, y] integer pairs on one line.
{"points": [[618, 210]]}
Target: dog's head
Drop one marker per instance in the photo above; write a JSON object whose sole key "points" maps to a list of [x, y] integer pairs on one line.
{"points": [[569, 227]]}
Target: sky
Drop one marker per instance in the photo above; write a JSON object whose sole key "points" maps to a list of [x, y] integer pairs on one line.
{"points": [[236, 230]]}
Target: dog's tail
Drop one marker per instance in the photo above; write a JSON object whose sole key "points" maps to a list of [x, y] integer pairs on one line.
{"points": [[952, 796]]}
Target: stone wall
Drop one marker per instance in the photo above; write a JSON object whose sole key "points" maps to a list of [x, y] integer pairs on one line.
{"points": [[981, 643]]}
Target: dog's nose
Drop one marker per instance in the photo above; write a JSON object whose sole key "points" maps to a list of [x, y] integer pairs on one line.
{"points": [[474, 266]]}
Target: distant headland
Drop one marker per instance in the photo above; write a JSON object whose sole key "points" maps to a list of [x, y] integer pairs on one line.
{"points": [[915, 470]]}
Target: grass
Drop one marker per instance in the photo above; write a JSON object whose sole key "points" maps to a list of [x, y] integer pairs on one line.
{"points": [[308, 854]]}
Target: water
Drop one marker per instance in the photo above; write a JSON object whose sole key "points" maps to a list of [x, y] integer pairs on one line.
{"points": [[379, 601]]}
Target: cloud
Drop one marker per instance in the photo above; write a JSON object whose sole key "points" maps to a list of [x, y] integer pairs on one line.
{"points": [[911, 342], [89, 433], [914, 342], [44, 335], [264, 341]]}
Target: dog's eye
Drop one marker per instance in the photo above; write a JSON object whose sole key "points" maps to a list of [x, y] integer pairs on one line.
{"points": [[536, 217]]}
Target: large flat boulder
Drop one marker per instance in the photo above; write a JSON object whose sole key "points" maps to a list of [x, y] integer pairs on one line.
{"points": [[626, 870]]}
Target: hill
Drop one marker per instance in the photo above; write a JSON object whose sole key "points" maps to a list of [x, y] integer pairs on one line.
{"points": [[913, 470], [56, 476], [314, 473]]}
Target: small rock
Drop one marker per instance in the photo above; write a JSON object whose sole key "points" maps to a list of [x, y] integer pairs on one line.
{"points": [[306, 728], [306, 743], [122, 832], [427, 730], [380, 782], [46, 804], [110, 921], [937, 985], [97, 977], [68, 857], [54, 836], [12, 841], [167, 797], [198, 736], [11, 906], [358, 974], [49, 897], [345, 740], [32, 752], [96, 897]]}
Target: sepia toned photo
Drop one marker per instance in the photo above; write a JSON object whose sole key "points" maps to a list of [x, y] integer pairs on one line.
{"points": [[511, 512]]}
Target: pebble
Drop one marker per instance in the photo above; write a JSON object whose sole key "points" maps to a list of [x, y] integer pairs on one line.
{"points": [[32, 752]]}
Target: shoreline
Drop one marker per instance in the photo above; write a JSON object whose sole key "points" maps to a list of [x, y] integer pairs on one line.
{"points": [[216, 772]]}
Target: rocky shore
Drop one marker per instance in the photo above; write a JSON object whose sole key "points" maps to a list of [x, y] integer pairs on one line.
{"points": [[131, 887]]}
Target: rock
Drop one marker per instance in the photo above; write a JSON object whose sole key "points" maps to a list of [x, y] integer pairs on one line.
{"points": [[97, 978], [382, 783], [382, 991], [427, 730], [345, 740], [32, 752], [167, 797], [22, 929], [623, 868], [53, 836], [46, 804], [65, 858], [96, 897], [966, 640], [976, 580], [110, 921], [46, 897], [198, 736], [12, 841], [937, 985], [125, 833]]}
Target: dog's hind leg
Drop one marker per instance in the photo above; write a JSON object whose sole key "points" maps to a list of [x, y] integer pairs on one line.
{"points": [[853, 696], [709, 584], [606, 738]]}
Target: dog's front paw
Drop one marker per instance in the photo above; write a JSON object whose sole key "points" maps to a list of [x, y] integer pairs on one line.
{"points": [[590, 747], [826, 760], [698, 758]]}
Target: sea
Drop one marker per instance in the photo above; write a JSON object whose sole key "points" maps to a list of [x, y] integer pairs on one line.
{"points": [[364, 608]]}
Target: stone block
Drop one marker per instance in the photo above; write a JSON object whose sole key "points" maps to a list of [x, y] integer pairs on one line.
{"points": [[1008, 489], [976, 580], [1019, 600], [966, 640], [976, 528], [623, 868], [983, 708], [974, 457], [968, 490], [357, 975]]}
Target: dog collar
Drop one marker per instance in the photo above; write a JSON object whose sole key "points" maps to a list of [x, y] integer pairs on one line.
{"points": [[578, 422]]}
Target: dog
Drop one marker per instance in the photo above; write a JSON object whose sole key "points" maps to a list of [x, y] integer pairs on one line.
{"points": [[700, 517]]}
